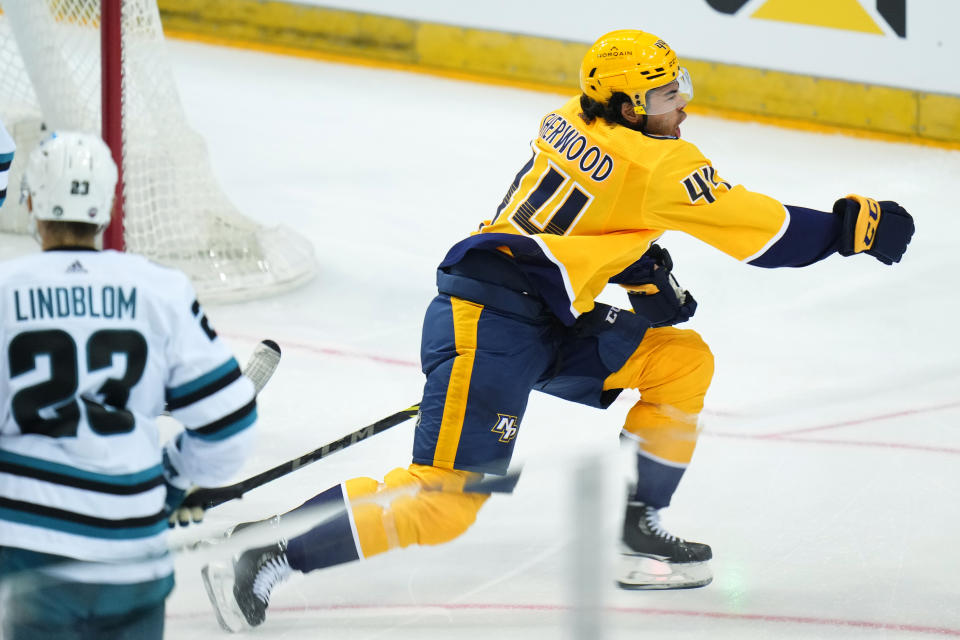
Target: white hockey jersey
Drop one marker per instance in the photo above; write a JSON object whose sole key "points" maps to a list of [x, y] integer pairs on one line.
{"points": [[94, 346], [7, 148]]}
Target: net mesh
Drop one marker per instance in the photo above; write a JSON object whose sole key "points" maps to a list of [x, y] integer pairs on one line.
{"points": [[175, 212]]}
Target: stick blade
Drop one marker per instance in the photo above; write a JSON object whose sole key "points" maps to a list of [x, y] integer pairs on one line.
{"points": [[270, 344], [262, 364]]}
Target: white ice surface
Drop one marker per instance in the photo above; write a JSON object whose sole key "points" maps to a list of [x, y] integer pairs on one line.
{"points": [[827, 475]]}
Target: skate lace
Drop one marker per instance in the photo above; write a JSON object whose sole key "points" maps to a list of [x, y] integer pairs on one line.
{"points": [[273, 571], [652, 518]]}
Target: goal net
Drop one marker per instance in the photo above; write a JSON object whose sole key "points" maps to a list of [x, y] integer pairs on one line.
{"points": [[174, 212]]}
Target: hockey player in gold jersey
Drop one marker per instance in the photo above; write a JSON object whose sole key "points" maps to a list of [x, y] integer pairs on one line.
{"points": [[516, 311]]}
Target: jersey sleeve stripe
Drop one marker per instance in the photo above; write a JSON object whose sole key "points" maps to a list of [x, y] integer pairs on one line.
{"points": [[108, 484], [80, 524], [228, 425], [205, 385], [205, 391], [774, 240]]}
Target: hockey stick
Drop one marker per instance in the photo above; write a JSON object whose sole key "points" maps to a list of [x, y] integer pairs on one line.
{"points": [[212, 497]]}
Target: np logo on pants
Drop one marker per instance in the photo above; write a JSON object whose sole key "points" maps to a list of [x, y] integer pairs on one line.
{"points": [[506, 427]]}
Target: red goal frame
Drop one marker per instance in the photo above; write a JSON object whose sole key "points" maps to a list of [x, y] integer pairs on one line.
{"points": [[111, 107]]}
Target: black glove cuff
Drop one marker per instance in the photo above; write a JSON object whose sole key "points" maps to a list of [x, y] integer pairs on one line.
{"points": [[848, 210]]}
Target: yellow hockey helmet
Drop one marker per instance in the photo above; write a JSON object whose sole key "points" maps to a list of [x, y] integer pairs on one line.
{"points": [[634, 62]]}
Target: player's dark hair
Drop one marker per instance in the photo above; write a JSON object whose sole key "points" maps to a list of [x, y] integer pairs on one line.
{"points": [[64, 228], [81, 229], [610, 112]]}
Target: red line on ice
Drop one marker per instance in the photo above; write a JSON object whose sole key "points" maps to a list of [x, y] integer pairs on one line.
{"points": [[720, 615], [877, 418], [848, 443], [777, 436], [331, 351]]}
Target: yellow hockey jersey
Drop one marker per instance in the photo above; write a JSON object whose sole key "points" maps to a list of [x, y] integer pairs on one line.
{"points": [[594, 196]]}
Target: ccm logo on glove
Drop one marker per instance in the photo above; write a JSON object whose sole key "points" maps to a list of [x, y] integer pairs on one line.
{"points": [[880, 229]]}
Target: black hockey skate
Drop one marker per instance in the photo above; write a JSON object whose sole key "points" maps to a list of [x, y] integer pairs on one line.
{"points": [[240, 594], [652, 558], [256, 572]]}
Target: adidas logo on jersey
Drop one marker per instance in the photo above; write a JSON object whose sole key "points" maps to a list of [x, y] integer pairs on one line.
{"points": [[76, 267]]}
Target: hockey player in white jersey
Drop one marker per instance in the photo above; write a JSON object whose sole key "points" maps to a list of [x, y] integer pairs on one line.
{"points": [[7, 148], [96, 345]]}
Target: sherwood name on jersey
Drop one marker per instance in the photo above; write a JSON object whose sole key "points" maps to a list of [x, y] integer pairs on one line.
{"points": [[565, 138], [109, 301]]}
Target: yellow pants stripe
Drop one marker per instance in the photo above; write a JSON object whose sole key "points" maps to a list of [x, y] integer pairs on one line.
{"points": [[466, 316]]}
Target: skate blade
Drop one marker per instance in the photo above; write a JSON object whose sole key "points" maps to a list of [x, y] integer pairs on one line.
{"points": [[218, 582], [643, 572]]}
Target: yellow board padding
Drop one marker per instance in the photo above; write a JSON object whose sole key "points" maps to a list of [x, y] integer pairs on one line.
{"points": [[837, 14], [350, 33], [493, 53], [292, 25], [789, 95], [544, 64], [938, 116]]}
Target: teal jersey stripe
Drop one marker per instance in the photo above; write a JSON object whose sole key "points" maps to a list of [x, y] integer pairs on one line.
{"points": [[76, 528], [122, 479], [96, 598], [227, 430], [6, 157], [204, 380]]}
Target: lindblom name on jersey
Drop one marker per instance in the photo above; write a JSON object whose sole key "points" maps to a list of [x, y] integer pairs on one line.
{"points": [[103, 301]]}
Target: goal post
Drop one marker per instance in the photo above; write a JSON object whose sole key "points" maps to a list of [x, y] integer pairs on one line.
{"points": [[101, 66], [111, 117]]}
